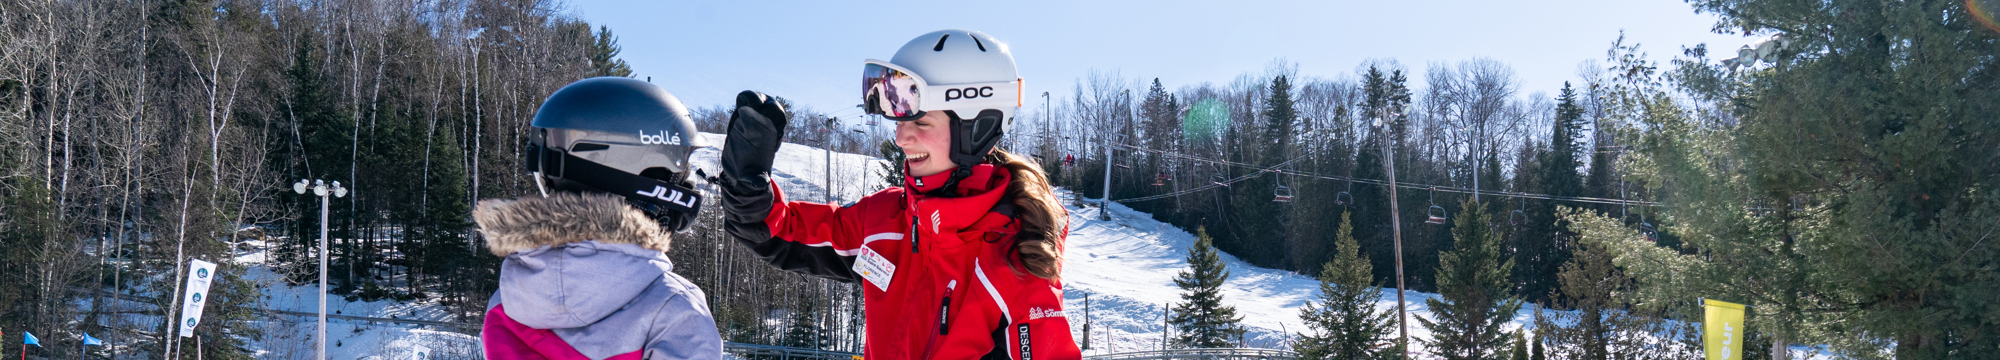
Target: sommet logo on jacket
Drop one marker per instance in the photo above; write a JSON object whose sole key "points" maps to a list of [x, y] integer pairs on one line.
{"points": [[1036, 313]]}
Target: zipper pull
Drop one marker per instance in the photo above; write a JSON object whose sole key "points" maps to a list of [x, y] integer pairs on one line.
{"points": [[944, 311], [913, 233]]}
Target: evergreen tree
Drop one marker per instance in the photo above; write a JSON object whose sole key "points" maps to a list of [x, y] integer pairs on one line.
{"points": [[1473, 299], [1847, 186], [1201, 320], [1535, 351], [1542, 249], [805, 331], [892, 165], [1605, 323], [1260, 223], [1520, 345], [1160, 126], [1344, 320], [1382, 89], [1589, 282], [604, 51]]}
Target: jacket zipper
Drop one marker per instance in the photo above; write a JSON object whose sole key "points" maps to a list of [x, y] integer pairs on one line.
{"points": [[944, 311], [913, 233]]}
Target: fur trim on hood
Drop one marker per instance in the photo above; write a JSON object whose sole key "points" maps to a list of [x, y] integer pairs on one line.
{"points": [[532, 222]]}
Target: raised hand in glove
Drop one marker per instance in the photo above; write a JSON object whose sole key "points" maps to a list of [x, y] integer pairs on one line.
{"points": [[756, 130]]}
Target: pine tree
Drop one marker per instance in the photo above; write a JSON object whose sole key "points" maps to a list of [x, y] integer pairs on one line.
{"points": [[604, 51], [1520, 345], [1588, 284], [1535, 351], [892, 164], [1848, 186], [1344, 320], [1260, 223], [1383, 89], [1473, 299], [1201, 320], [805, 331], [1543, 241]]}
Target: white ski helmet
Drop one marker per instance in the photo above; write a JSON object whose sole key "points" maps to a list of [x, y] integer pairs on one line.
{"points": [[967, 73]]}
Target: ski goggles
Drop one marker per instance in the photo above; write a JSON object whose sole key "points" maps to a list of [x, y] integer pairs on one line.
{"points": [[899, 94]]}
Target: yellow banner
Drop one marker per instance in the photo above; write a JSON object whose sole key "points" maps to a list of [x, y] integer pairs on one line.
{"points": [[1722, 335]]}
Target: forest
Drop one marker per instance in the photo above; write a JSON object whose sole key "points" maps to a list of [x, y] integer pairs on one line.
{"points": [[1844, 183]]}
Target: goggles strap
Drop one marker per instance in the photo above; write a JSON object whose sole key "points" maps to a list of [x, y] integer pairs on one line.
{"points": [[675, 205]]}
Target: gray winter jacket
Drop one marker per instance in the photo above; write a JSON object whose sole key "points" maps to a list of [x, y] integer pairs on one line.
{"points": [[587, 277]]}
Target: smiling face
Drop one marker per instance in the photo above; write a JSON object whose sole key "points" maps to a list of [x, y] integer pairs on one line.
{"points": [[926, 143]]}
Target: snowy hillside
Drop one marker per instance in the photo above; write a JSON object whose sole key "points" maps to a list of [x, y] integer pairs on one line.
{"points": [[1128, 264]]}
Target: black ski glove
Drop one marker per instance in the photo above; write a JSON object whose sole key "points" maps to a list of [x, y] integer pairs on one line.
{"points": [[755, 132]]}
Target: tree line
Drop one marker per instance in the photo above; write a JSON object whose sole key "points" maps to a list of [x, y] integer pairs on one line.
{"points": [[1831, 181], [1844, 189]]}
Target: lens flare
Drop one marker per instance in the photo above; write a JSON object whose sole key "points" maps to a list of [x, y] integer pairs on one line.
{"points": [[1983, 10]]}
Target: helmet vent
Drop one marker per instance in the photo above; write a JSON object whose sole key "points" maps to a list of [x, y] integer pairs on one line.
{"points": [[982, 46], [583, 146], [940, 44]]}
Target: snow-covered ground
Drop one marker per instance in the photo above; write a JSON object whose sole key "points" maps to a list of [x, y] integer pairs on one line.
{"points": [[291, 337], [1127, 266]]}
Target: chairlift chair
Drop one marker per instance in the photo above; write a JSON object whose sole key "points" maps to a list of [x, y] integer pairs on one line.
{"points": [[1344, 198], [1436, 213], [1282, 194], [1519, 217], [1646, 228]]}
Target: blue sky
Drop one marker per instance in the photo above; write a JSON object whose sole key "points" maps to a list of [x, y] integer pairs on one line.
{"points": [[811, 51]]}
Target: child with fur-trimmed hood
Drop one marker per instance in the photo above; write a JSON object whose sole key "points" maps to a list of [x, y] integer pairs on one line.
{"points": [[586, 274]]}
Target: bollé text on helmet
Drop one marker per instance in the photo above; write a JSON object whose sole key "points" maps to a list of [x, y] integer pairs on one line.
{"points": [[664, 138]]}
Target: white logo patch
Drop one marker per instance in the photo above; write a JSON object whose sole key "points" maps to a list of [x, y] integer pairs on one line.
{"points": [[934, 221], [664, 138], [1038, 313]]}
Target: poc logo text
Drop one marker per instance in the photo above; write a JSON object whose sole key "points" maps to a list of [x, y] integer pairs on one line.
{"points": [[968, 93]]}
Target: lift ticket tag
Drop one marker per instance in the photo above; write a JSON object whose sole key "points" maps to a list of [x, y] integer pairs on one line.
{"points": [[877, 269]]}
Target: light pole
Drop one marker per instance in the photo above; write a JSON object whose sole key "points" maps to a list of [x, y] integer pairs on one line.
{"points": [[1395, 224], [826, 143], [322, 190], [1046, 119]]}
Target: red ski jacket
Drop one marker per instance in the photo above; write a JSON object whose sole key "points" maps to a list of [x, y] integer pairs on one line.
{"points": [[935, 271]]}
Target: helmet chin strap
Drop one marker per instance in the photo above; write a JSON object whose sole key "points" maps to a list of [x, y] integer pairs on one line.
{"points": [[536, 176], [971, 140]]}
